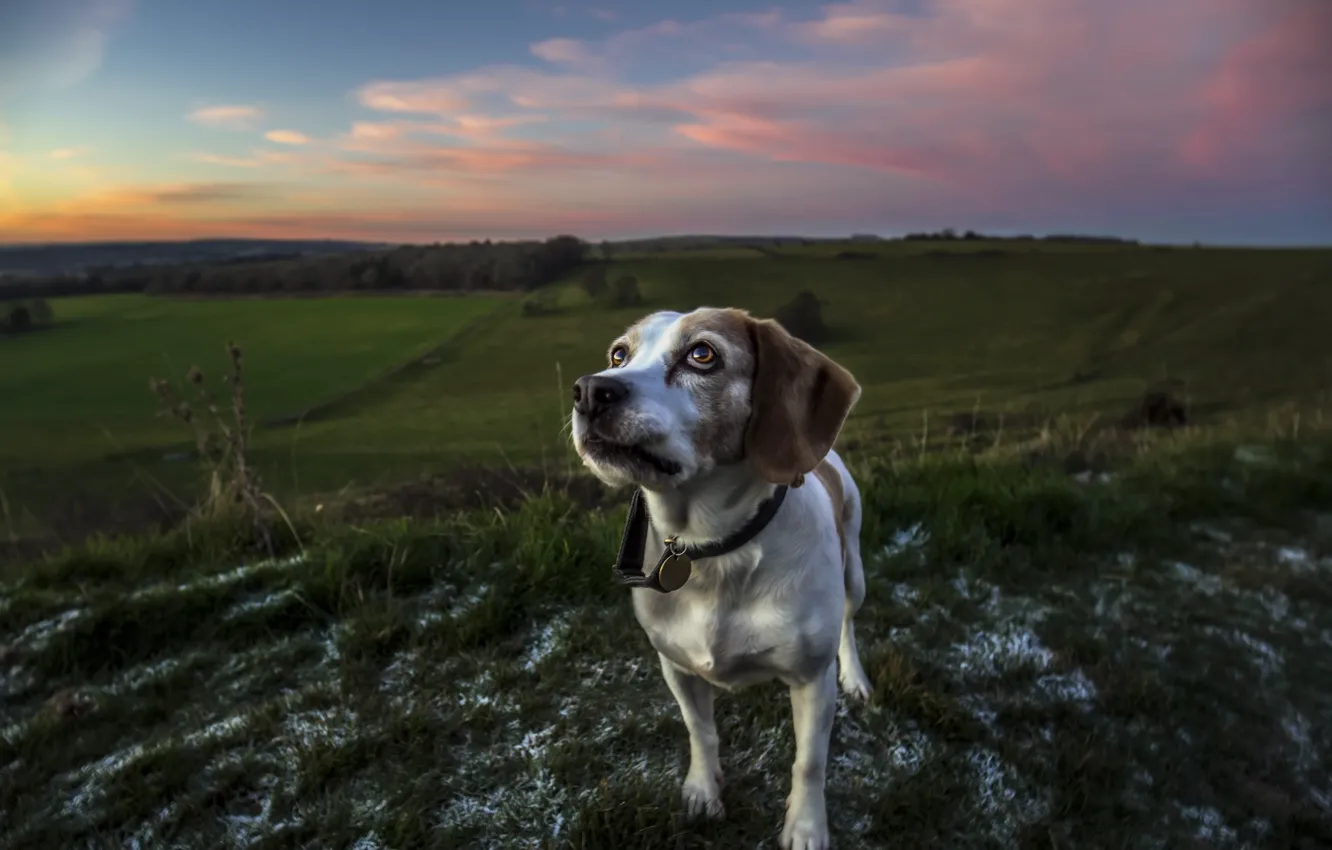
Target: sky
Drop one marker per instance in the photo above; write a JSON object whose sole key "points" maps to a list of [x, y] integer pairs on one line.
{"points": [[422, 121]]}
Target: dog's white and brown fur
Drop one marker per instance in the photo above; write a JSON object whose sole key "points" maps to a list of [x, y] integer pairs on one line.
{"points": [[707, 412]]}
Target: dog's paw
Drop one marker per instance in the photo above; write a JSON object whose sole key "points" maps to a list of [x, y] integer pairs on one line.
{"points": [[806, 827], [702, 795], [855, 684]]}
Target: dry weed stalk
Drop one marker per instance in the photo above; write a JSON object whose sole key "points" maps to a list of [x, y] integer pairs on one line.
{"points": [[222, 443]]}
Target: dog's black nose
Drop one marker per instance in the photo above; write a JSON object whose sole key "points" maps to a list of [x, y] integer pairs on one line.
{"points": [[595, 393]]}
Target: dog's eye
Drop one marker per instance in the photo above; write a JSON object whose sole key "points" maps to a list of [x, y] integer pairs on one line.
{"points": [[702, 354], [619, 354]]}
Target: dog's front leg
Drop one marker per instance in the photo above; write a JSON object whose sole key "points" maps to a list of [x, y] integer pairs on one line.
{"points": [[702, 785], [813, 706]]}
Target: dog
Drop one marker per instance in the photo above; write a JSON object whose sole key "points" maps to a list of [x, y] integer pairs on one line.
{"points": [[742, 546]]}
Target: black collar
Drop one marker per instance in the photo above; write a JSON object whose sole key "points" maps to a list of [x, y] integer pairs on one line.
{"points": [[676, 562]]}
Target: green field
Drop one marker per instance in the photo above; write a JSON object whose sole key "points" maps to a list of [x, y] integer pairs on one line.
{"points": [[1029, 334], [80, 391]]}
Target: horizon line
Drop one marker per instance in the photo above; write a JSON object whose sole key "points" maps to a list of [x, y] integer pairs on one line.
{"points": [[860, 236]]}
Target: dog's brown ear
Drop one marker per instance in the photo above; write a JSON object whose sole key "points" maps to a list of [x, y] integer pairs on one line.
{"points": [[800, 399]]}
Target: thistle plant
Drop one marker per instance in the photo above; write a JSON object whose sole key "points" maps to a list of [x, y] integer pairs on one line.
{"points": [[221, 438]]}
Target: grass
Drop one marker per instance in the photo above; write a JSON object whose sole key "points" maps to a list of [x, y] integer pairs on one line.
{"points": [[1020, 335], [1138, 659], [80, 392], [81, 437], [1075, 637], [1027, 338]]}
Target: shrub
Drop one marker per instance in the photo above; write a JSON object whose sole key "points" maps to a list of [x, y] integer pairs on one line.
{"points": [[594, 282], [1157, 408], [802, 317], [624, 292], [542, 303], [20, 319], [24, 314]]}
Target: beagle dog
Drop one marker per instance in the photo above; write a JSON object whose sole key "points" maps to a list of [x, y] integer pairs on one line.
{"points": [[742, 547]]}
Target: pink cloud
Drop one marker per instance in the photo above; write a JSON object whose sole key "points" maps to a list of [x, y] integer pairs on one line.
{"points": [[226, 116], [479, 160], [486, 126], [287, 137], [469, 143], [369, 131], [798, 141], [1270, 90], [443, 155], [565, 51], [1053, 97], [852, 22], [418, 96]]}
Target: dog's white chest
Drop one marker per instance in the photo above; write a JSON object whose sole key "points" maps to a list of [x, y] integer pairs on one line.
{"points": [[729, 648]]}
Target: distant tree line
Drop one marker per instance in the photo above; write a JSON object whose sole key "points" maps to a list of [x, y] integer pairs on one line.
{"points": [[58, 258], [948, 234], [663, 244], [459, 267], [55, 286], [453, 267]]}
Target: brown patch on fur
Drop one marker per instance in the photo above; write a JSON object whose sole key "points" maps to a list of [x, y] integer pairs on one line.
{"points": [[832, 482], [800, 400], [723, 410]]}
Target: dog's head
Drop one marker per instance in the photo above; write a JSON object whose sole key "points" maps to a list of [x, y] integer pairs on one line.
{"points": [[686, 393]]}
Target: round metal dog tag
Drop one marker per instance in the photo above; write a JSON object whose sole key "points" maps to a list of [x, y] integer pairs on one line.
{"points": [[675, 572]]}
